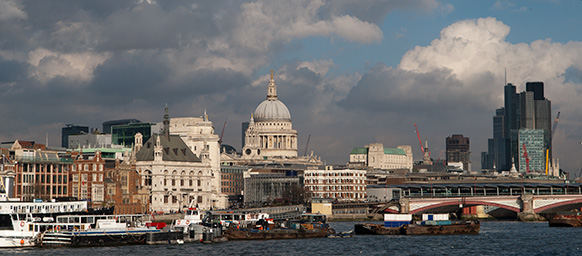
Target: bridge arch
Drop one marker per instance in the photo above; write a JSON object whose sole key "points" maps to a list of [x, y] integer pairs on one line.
{"points": [[558, 204], [465, 203]]}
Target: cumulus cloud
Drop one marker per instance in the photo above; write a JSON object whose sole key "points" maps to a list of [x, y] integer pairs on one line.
{"points": [[10, 9], [78, 66], [461, 74]]}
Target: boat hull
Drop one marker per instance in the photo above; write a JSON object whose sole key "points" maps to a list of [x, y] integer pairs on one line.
{"points": [[375, 229], [469, 227], [16, 241], [254, 234], [108, 238], [565, 222]]}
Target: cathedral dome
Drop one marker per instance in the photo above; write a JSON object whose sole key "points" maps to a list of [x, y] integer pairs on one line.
{"points": [[271, 110]]}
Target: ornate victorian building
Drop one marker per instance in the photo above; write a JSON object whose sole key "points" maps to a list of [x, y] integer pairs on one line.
{"points": [[270, 133], [175, 176]]}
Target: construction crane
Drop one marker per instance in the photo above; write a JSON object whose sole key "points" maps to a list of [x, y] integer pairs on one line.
{"points": [[424, 149], [222, 133], [548, 160], [419, 140], [555, 124], [526, 159], [440, 157], [307, 145]]}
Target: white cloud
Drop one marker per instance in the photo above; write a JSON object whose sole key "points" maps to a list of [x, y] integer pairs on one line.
{"points": [[262, 23], [76, 66], [11, 10], [320, 67]]}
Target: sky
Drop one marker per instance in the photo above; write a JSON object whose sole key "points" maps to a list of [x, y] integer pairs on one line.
{"points": [[350, 72]]}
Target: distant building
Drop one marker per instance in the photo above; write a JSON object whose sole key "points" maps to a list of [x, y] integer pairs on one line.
{"points": [[340, 184], [459, 150], [528, 110], [124, 134], [375, 155], [533, 142], [89, 140], [70, 129], [265, 186], [232, 179], [109, 124]]}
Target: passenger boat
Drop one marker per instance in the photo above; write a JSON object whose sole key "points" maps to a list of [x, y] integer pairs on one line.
{"points": [[20, 222], [100, 230], [566, 219], [308, 226], [432, 224]]}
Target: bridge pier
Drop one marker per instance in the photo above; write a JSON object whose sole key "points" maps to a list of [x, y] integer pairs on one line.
{"points": [[404, 205], [527, 209]]}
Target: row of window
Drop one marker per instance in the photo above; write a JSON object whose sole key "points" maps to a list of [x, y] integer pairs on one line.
{"points": [[333, 188]]}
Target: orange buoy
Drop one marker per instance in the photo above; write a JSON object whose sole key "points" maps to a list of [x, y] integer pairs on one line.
{"points": [[21, 241]]}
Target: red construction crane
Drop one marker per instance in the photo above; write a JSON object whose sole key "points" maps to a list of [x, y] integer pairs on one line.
{"points": [[222, 133], [526, 159], [419, 140]]}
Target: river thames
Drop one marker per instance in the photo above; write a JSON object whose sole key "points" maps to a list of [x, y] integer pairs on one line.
{"points": [[495, 238]]}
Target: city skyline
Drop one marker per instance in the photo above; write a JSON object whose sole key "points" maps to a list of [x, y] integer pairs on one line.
{"points": [[350, 73]]}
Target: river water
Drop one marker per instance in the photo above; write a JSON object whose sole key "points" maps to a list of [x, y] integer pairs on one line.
{"points": [[495, 238]]}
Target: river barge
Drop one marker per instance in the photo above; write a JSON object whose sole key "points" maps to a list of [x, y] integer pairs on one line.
{"points": [[432, 224], [566, 219], [307, 226]]}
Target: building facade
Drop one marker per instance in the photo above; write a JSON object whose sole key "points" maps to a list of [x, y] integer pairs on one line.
{"points": [[458, 150], [70, 129], [89, 140], [87, 178], [267, 186], [124, 134], [198, 134], [39, 173], [174, 175], [375, 155], [341, 185]]}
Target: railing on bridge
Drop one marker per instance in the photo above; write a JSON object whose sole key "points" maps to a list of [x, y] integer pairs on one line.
{"points": [[479, 190]]}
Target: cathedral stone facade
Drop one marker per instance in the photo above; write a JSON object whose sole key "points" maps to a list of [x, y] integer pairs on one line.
{"points": [[270, 133]]}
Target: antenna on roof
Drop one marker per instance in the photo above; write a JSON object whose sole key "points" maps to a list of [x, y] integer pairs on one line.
{"points": [[505, 76]]}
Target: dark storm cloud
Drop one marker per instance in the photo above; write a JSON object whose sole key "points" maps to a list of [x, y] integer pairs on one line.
{"points": [[376, 11], [11, 70]]}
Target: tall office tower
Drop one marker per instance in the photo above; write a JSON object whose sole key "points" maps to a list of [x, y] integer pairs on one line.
{"points": [[495, 145], [536, 121], [459, 150], [533, 150], [70, 129], [511, 123]]}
